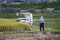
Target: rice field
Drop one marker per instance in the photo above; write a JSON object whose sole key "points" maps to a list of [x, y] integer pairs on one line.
{"points": [[52, 24], [12, 25]]}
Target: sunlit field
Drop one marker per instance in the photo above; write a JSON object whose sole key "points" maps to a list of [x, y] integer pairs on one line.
{"points": [[12, 25], [52, 20], [10, 29]]}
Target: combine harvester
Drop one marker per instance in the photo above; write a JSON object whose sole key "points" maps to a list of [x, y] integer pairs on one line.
{"points": [[28, 18]]}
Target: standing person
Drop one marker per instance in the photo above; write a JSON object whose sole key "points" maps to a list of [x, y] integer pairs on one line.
{"points": [[41, 23]]}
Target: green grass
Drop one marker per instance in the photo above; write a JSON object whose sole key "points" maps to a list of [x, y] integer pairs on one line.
{"points": [[10, 15], [52, 20]]}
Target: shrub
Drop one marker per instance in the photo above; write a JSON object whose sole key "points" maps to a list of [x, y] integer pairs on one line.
{"points": [[12, 25]]}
